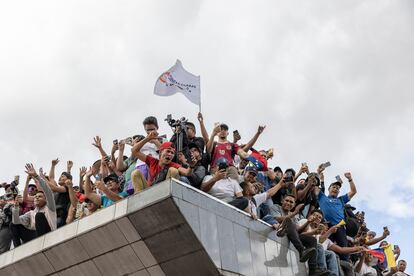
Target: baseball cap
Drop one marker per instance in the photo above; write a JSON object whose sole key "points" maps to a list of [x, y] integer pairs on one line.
{"points": [[222, 161], [193, 145], [277, 169], [336, 183], [251, 169], [167, 145], [110, 177]]}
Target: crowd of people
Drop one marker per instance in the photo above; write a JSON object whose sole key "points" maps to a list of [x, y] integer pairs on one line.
{"points": [[325, 230]]}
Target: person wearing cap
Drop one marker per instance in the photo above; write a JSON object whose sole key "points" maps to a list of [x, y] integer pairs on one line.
{"points": [[159, 169], [225, 149], [222, 186], [39, 221], [333, 208], [110, 187], [198, 169]]}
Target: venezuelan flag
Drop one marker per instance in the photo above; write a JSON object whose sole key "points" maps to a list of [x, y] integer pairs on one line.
{"points": [[385, 255]]}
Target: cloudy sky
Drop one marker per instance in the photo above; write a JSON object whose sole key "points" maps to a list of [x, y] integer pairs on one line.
{"points": [[331, 80]]}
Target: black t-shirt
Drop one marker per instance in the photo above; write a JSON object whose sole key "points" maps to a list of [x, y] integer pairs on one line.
{"points": [[62, 201]]}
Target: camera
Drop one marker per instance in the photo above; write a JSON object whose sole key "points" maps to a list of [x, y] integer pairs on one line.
{"points": [[176, 123]]}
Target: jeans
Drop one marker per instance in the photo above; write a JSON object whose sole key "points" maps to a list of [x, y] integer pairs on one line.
{"points": [[332, 263]]}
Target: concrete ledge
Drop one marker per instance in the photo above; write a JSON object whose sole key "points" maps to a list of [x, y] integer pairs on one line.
{"points": [[168, 229]]}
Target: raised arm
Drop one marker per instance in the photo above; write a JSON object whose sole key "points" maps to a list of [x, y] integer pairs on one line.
{"points": [[97, 142], [203, 129], [50, 201], [69, 166], [272, 191], [373, 241], [120, 164], [210, 143], [26, 196], [52, 168], [136, 149], [352, 186], [254, 139], [71, 192], [82, 172], [95, 198], [111, 195]]}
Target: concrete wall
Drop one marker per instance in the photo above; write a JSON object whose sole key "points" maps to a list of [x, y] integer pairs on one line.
{"points": [[169, 229]]}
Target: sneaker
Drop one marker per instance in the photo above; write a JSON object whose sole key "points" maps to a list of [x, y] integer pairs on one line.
{"points": [[306, 254], [319, 272]]}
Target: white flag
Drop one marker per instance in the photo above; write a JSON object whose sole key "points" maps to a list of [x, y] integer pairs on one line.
{"points": [[177, 79]]}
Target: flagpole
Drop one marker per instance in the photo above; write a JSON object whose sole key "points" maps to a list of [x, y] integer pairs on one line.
{"points": [[199, 106]]}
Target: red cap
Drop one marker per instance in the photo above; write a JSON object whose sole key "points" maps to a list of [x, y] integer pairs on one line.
{"points": [[167, 145], [82, 198]]}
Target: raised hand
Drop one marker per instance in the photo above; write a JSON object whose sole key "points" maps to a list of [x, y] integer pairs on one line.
{"points": [[100, 185], [69, 165], [220, 174], [152, 135], [348, 176], [260, 129], [68, 183], [30, 170], [217, 129], [55, 162], [82, 172], [97, 142], [200, 117]]}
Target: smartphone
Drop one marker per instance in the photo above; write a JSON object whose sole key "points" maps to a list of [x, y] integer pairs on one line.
{"points": [[235, 131], [304, 164], [338, 178], [326, 164], [396, 246], [385, 228], [115, 142]]}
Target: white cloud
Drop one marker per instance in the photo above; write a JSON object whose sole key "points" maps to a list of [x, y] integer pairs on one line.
{"points": [[332, 81]]}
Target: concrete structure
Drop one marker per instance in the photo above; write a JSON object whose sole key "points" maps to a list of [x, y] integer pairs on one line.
{"points": [[169, 229]]}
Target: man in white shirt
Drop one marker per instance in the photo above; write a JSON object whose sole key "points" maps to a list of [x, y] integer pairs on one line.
{"points": [[223, 187]]}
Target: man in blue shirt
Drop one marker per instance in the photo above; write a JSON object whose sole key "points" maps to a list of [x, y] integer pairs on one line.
{"points": [[332, 208]]}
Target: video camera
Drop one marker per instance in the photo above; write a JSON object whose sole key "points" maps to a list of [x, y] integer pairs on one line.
{"points": [[180, 136], [176, 123]]}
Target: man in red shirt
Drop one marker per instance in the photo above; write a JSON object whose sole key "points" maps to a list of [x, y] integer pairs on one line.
{"points": [[159, 169], [226, 149]]}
